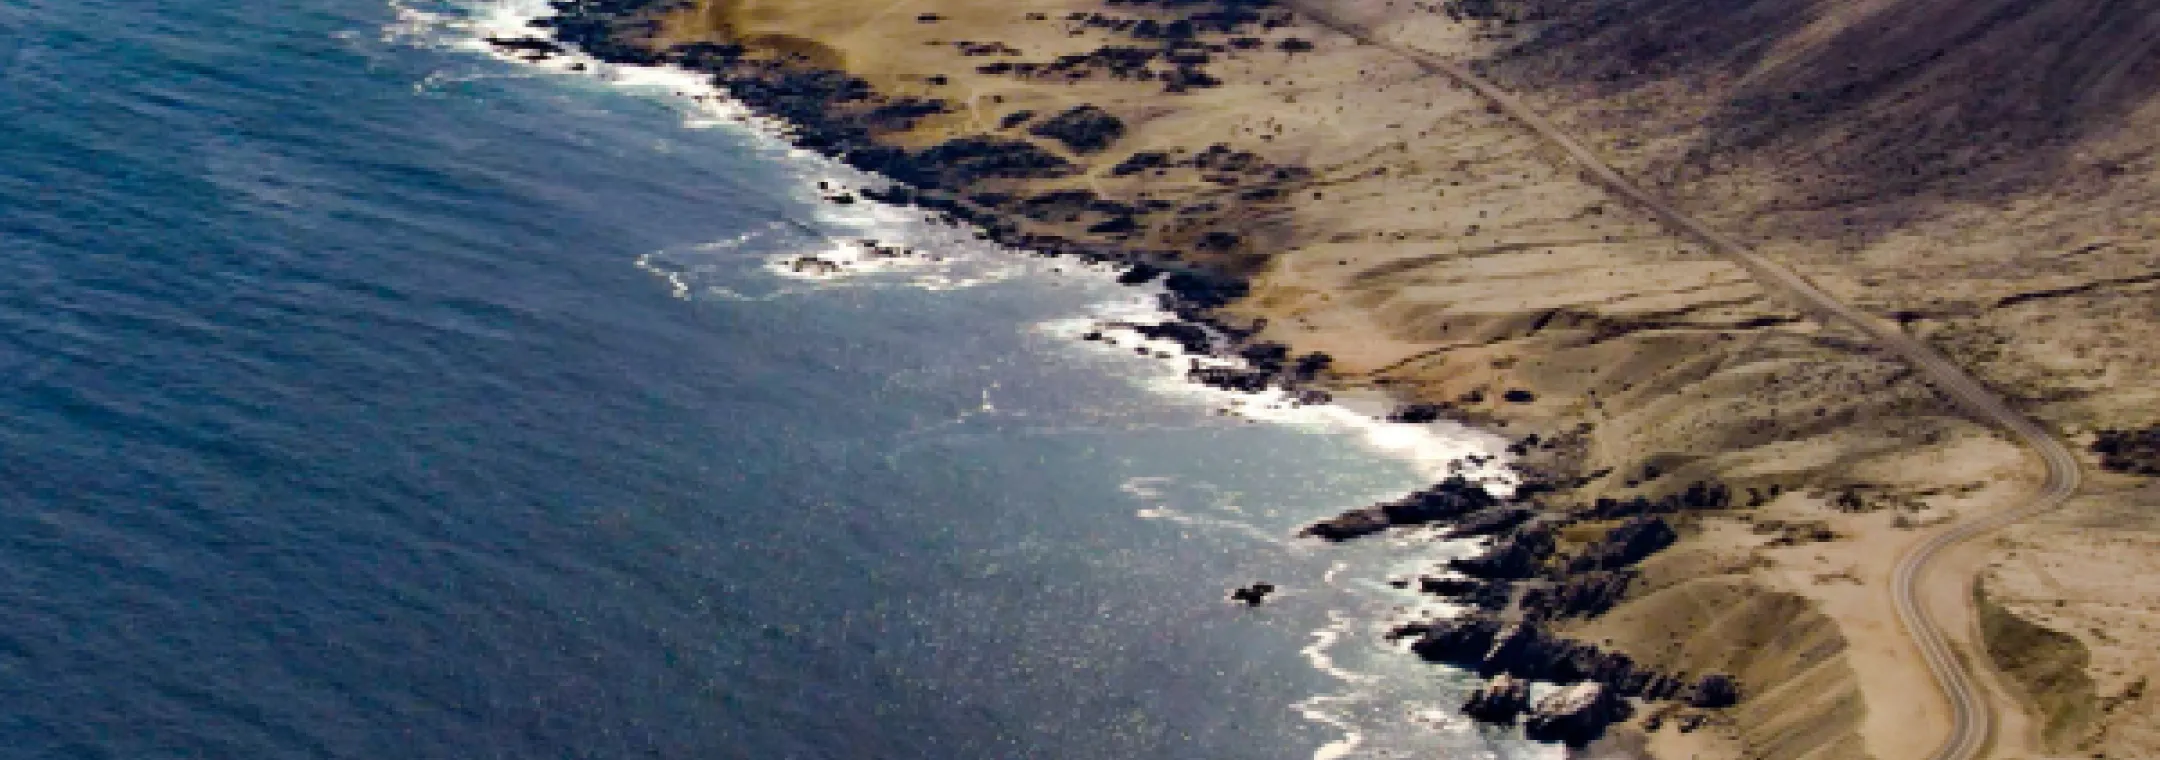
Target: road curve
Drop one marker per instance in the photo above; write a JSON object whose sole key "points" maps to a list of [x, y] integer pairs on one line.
{"points": [[1972, 713]]}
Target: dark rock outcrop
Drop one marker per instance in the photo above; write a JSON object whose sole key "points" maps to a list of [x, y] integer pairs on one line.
{"points": [[1699, 495], [1714, 691], [1519, 555], [1348, 525], [1193, 338], [1527, 649], [1449, 586], [1499, 701], [964, 160], [1139, 274], [1491, 522], [1576, 714], [1585, 595], [1449, 499], [1415, 413], [1625, 545]]}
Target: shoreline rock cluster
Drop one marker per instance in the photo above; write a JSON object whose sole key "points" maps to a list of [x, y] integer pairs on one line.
{"points": [[1524, 585]]}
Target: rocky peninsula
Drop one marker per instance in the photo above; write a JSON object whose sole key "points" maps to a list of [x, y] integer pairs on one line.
{"points": [[1716, 484]]}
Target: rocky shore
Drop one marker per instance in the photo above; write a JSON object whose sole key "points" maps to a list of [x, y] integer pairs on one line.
{"points": [[1713, 486]]}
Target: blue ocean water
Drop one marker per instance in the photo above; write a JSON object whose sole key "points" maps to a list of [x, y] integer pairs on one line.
{"points": [[364, 396]]}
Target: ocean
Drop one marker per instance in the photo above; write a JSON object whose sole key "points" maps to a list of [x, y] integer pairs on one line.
{"points": [[368, 395]]}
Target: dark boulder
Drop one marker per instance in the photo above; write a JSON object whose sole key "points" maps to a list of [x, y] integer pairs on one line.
{"points": [[1252, 595]]}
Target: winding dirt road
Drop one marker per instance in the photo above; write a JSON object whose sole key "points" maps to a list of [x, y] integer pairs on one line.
{"points": [[1972, 711]]}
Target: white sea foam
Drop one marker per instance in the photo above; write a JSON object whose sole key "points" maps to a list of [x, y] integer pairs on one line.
{"points": [[942, 257], [1324, 709], [470, 27], [1435, 449], [1218, 516]]}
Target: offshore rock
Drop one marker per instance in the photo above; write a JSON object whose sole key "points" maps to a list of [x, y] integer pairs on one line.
{"points": [[1253, 595]]}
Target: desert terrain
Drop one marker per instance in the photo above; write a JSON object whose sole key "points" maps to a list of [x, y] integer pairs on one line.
{"points": [[1979, 176]]}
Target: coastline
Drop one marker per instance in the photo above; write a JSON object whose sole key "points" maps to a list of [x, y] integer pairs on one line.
{"points": [[1516, 613], [1319, 253]]}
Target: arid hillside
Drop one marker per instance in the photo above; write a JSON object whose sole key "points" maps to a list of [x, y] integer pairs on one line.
{"points": [[1949, 98]]}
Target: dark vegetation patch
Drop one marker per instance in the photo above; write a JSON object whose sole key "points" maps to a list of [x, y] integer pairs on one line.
{"points": [[2133, 451], [1083, 128]]}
